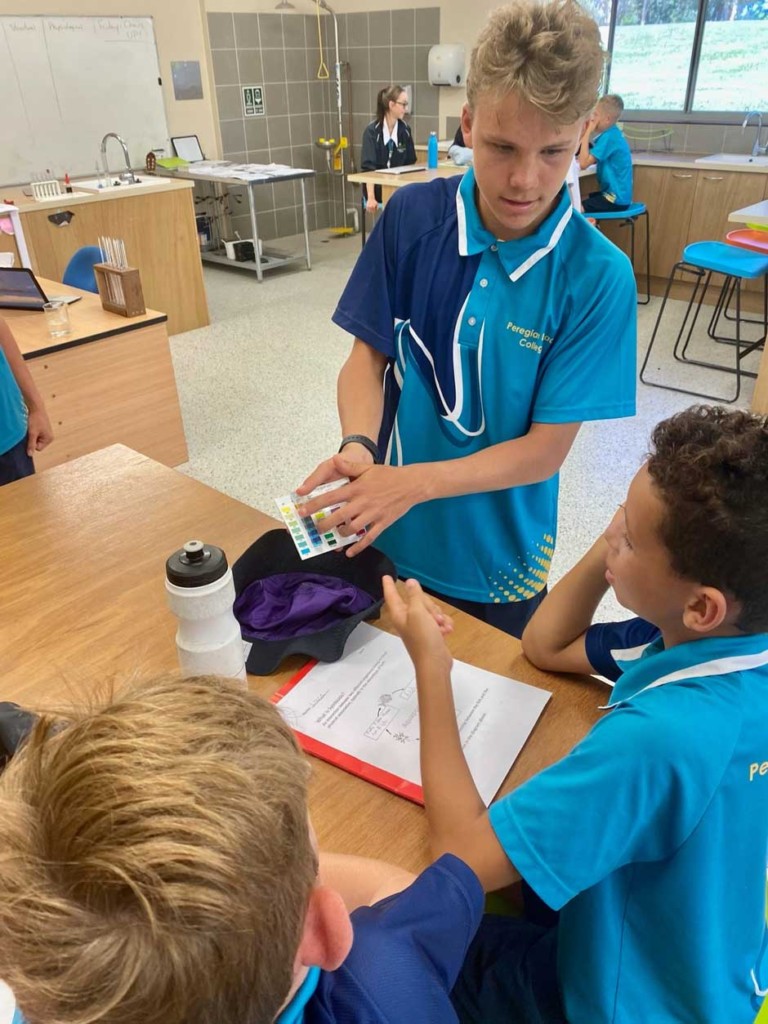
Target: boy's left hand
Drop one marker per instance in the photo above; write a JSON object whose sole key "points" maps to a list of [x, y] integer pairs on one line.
{"points": [[39, 431], [421, 624]]}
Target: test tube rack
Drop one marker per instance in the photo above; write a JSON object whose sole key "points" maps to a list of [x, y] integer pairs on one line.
{"points": [[48, 189], [120, 289]]}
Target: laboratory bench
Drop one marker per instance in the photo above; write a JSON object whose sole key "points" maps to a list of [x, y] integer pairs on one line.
{"points": [[110, 380], [156, 220]]}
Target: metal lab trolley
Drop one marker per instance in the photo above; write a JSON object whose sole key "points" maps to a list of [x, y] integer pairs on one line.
{"points": [[269, 260]]}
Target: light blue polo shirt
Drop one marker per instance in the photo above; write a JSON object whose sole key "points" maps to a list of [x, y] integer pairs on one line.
{"points": [[614, 165], [652, 834], [13, 411], [485, 338]]}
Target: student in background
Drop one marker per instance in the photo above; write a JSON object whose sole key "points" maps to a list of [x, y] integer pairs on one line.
{"points": [[159, 867], [608, 151], [476, 342], [650, 836], [24, 424], [458, 151], [387, 141]]}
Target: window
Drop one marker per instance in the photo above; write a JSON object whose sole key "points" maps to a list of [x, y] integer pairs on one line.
{"points": [[732, 65], [685, 55]]}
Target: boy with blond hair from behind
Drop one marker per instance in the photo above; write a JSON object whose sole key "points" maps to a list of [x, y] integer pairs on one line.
{"points": [[158, 866]]}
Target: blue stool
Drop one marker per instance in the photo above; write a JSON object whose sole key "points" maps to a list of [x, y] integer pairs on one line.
{"points": [[627, 218], [79, 272], [703, 259]]}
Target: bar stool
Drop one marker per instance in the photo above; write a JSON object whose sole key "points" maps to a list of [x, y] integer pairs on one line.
{"points": [[627, 218], [703, 259]]}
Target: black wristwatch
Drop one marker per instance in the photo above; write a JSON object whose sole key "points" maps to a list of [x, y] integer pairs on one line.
{"points": [[366, 442]]}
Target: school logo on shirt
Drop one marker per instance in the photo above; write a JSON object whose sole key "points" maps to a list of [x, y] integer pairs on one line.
{"points": [[529, 339]]}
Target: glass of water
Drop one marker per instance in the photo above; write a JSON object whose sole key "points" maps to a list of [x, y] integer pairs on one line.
{"points": [[57, 318]]}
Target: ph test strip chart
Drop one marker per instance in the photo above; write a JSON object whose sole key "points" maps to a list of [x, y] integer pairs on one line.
{"points": [[309, 535]]}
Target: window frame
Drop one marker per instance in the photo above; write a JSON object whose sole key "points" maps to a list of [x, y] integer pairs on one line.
{"points": [[686, 115]]}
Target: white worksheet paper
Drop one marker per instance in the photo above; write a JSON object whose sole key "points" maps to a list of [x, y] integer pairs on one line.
{"points": [[364, 708]]}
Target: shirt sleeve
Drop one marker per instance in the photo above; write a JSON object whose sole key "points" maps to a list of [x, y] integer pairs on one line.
{"points": [[430, 924], [589, 373], [410, 149], [601, 147], [603, 640], [633, 790], [365, 309], [368, 154]]}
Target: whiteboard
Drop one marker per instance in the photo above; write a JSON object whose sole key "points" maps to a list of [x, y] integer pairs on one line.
{"points": [[67, 81]]}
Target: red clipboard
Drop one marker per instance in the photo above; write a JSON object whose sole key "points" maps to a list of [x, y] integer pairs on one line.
{"points": [[378, 776]]}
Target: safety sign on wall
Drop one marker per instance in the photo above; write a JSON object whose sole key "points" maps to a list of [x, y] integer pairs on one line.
{"points": [[253, 100]]}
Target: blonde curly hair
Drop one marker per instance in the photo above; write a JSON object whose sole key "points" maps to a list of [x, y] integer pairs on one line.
{"points": [[549, 54]]}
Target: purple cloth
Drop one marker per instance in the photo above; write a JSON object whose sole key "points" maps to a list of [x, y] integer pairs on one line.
{"points": [[293, 604]]}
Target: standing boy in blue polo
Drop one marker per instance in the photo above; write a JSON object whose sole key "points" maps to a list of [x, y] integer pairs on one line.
{"points": [[489, 322], [650, 837], [608, 152]]}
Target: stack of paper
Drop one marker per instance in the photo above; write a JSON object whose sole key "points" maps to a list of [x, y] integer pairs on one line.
{"points": [[361, 714]]}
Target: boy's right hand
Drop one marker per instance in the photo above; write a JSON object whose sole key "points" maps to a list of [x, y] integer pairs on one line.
{"points": [[421, 624]]}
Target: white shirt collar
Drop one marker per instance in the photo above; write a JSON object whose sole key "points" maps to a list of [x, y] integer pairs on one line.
{"points": [[385, 134]]}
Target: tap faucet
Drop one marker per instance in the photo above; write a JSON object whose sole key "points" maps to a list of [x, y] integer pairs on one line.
{"points": [[757, 149], [127, 177]]}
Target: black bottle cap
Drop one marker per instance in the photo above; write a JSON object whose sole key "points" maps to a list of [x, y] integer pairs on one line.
{"points": [[196, 564]]}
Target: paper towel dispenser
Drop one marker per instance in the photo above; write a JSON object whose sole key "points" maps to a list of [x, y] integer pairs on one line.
{"points": [[445, 64]]}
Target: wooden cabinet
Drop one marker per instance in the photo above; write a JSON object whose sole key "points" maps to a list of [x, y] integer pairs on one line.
{"points": [[669, 195], [160, 235], [685, 206], [717, 194]]}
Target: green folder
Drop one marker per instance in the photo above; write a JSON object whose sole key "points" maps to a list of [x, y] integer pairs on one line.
{"points": [[171, 163]]}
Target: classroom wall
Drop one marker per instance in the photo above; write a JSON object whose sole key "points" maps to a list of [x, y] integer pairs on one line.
{"points": [[180, 35], [459, 22], [281, 51]]}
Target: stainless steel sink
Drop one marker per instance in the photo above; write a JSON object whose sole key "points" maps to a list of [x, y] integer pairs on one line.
{"points": [[92, 185], [743, 159]]}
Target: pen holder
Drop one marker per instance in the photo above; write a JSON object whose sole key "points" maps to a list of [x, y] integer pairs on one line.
{"points": [[120, 289]]}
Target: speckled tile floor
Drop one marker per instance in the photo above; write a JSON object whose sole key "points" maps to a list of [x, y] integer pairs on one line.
{"points": [[258, 394]]}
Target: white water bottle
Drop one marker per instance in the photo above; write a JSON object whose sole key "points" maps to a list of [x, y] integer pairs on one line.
{"points": [[201, 594]]}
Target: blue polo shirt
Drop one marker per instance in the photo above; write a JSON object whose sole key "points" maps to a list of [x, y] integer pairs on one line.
{"points": [[485, 338], [13, 411], [614, 165], [407, 953], [652, 835]]}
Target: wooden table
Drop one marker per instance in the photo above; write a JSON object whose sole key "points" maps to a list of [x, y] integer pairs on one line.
{"points": [[390, 182], [82, 601], [110, 380]]}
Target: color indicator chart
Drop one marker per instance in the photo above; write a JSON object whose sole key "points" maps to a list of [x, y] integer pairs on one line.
{"points": [[308, 532]]}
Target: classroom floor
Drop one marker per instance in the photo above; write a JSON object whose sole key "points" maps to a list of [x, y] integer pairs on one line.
{"points": [[258, 394]]}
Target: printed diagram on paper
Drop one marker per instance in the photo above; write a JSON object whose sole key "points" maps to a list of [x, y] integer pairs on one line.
{"points": [[366, 706]]}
